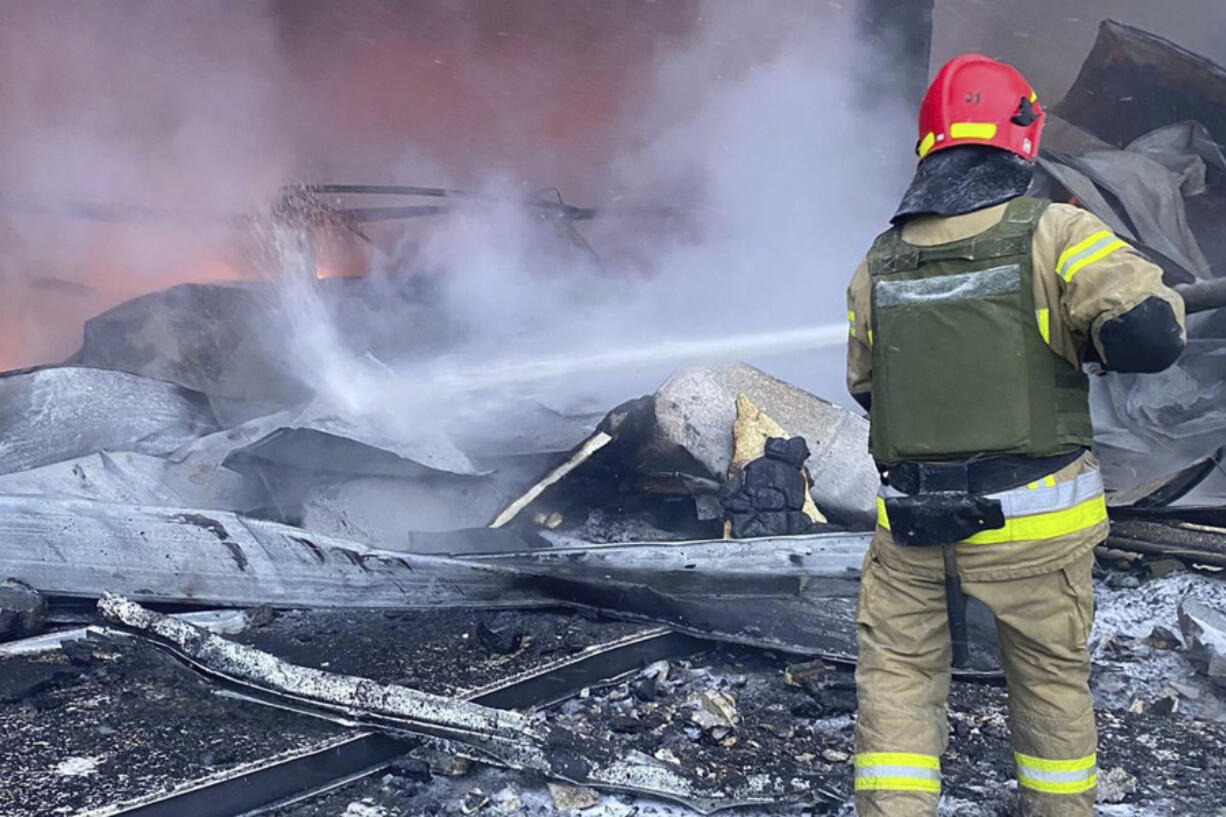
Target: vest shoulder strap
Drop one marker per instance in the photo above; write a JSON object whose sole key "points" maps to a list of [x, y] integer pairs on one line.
{"points": [[1011, 236], [890, 254]]}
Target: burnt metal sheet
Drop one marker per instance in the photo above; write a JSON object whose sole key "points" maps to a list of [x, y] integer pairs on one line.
{"points": [[794, 594], [82, 549], [319, 441], [227, 339], [1151, 428], [137, 479], [392, 512], [781, 564], [59, 413], [506, 738], [207, 337], [1133, 82], [358, 478]]}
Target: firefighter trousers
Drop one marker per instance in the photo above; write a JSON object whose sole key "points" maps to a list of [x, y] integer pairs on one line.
{"points": [[903, 676]]}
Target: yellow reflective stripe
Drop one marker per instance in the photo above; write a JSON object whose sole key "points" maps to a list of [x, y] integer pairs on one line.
{"points": [[1117, 244], [1095, 248], [1048, 787], [1077, 764], [972, 130], [1044, 525], [897, 784], [851, 316], [926, 144], [870, 337], [1080, 247], [1043, 318], [898, 758], [897, 771], [1026, 528], [1050, 776]]}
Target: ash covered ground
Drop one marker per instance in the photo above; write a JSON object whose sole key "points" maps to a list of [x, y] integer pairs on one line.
{"points": [[102, 721], [1162, 736]]}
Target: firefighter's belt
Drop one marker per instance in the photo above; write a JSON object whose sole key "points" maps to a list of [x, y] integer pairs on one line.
{"points": [[1043, 509], [982, 476], [941, 518]]}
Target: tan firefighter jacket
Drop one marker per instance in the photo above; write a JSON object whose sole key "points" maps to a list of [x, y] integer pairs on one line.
{"points": [[1083, 276]]}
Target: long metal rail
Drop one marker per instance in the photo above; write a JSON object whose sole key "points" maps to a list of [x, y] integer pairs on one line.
{"points": [[257, 788]]}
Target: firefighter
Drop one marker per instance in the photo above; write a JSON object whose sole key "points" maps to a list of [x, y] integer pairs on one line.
{"points": [[971, 319]]}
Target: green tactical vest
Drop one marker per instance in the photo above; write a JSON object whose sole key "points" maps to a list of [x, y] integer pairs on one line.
{"points": [[959, 366]]}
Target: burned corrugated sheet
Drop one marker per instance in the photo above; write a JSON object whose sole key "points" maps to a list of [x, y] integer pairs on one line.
{"points": [[1157, 435], [744, 594], [78, 548], [207, 337], [225, 339], [1151, 428], [1134, 82], [59, 413], [320, 440], [389, 512], [138, 479], [358, 479]]}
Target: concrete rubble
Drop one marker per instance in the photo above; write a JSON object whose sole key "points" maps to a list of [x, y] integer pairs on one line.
{"points": [[1204, 633], [23, 610]]}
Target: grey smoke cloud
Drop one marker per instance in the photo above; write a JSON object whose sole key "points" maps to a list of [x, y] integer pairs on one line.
{"points": [[754, 137], [740, 119]]}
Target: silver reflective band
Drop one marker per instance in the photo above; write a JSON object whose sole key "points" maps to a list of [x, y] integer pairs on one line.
{"points": [[1057, 776], [948, 288], [1026, 501], [913, 772], [1048, 776], [898, 771]]}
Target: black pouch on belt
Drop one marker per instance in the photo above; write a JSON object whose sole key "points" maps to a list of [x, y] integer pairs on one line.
{"points": [[941, 518]]}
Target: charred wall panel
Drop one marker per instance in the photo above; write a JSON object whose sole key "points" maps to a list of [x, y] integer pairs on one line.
{"points": [[1134, 82]]}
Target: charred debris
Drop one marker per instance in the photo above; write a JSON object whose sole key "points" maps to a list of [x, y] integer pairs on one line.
{"points": [[222, 597]]}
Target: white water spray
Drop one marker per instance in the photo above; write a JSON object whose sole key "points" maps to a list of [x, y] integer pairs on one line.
{"points": [[670, 352]]}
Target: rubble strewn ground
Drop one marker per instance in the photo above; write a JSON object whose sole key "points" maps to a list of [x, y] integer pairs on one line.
{"points": [[1157, 761], [105, 726], [96, 723]]}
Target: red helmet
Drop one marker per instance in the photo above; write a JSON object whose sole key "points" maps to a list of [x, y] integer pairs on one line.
{"points": [[976, 100]]}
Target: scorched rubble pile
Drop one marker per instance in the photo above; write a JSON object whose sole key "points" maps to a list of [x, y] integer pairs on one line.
{"points": [[211, 576]]}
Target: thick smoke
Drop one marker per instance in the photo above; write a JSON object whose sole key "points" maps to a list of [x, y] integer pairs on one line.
{"points": [[154, 104], [751, 180], [742, 170]]}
